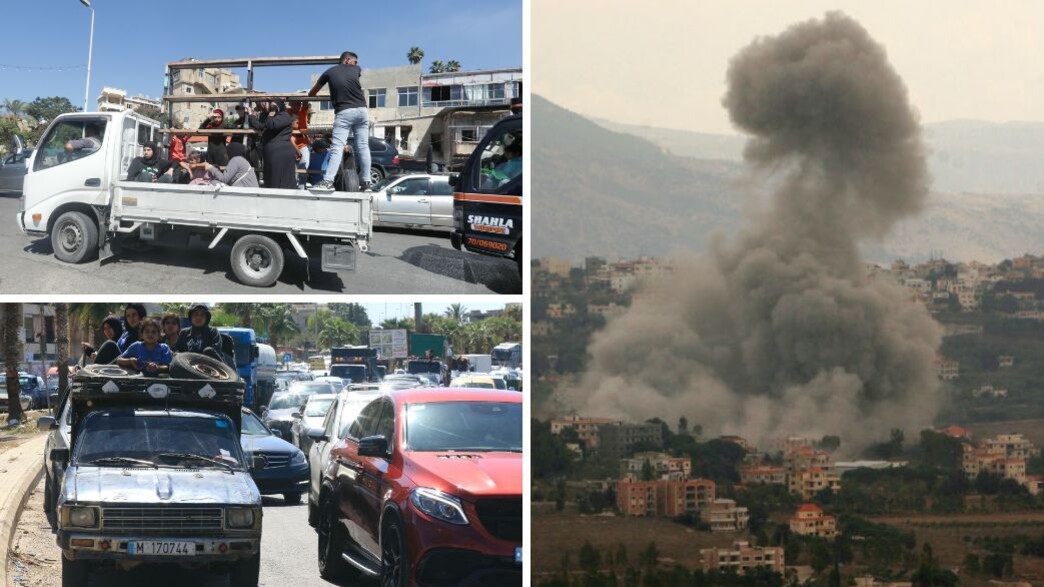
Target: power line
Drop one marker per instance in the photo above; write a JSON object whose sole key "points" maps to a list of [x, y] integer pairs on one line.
{"points": [[32, 68]]}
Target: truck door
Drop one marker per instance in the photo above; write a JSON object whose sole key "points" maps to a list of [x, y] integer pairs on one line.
{"points": [[488, 195], [374, 482], [70, 163]]}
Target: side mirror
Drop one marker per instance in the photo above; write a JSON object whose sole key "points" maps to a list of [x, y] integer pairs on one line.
{"points": [[296, 416], [60, 455], [258, 462], [278, 433], [373, 446], [46, 423], [318, 434]]}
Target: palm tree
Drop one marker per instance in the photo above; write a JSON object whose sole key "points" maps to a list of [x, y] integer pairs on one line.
{"points": [[456, 312], [179, 308], [337, 332], [244, 313], [437, 66], [277, 321], [415, 55], [91, 316], [13, 352], [397, 324], [61, 339], [452, 65], [14, 107]]}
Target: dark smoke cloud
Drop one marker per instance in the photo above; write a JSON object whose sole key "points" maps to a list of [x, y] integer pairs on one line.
{"points": [[781, 331]]}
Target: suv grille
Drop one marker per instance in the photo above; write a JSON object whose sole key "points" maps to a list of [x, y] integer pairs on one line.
{"points": [[162, 520], [502, 517], [275, 459]]}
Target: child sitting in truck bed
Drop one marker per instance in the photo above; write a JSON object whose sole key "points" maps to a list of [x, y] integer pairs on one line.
{"points": [[148, 355]]}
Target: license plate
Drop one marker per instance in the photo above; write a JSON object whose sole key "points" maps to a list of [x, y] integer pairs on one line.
{"points": [[518, 554], [160, 548]]}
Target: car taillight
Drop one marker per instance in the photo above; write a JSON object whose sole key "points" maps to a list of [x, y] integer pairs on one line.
{"points": [[395, 160]]}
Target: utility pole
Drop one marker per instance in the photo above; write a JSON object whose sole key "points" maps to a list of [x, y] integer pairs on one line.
{"points": [[90, 56], [418, 317]]}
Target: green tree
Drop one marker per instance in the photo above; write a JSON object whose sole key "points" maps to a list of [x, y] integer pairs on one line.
{"points": [[415, 55], [91, 317], [354, 313], [14, 107], [647, 471], [244, 313], [8, 129], [456, 312], [49, 108], [649, 556], [452, 65], [590, 558], [821, 556], [277, 322], [437, 66], [337, 332], [13, 347], [972, 564]]}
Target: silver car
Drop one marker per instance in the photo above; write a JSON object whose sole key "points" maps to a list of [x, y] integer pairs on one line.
{"points": [[12, 171], [421, 200]]}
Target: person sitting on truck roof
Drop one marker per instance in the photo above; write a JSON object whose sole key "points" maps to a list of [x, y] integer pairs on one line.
{"points": [[216, 153], [238, 172], [150, 167], [200, 337], [109, 351], [148, 355], [171, 324], [133, 314]]}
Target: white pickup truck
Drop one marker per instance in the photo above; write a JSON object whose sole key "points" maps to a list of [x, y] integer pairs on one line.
{"points": [[80, 199]]}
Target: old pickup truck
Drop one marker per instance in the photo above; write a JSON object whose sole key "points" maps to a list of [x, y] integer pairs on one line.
{"points": [[143, 470], [78, 197]]}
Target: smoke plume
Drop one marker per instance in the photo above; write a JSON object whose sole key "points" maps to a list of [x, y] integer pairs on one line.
{"points": [[781, 330]]}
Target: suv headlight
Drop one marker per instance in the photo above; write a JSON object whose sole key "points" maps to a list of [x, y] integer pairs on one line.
{"points": [[298, 459], [439, 505], [239, 517], [81, 517]]}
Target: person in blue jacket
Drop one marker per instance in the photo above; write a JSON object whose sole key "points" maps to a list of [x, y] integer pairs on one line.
{"points": [[148, 355]]}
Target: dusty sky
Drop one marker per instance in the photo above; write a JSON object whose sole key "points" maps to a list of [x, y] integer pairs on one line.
{"points": [[662, 62]]}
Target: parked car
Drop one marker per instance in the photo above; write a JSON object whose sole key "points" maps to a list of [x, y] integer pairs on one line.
{"points": [[286, 469], [479, 381], [425, 488], [402, 381], [311, 416], [384, 160], [12, 171], [419, 200], [25, 399], [341, 414]]}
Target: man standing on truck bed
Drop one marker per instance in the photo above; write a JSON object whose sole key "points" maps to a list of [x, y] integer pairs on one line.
{"points": [[349, 102]]}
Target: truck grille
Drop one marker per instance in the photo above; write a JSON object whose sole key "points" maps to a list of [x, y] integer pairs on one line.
{"points": [[275, 459], [501, 517], [162, 520]]}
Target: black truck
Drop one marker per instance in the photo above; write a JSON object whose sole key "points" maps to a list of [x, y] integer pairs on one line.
{"points": [[487, 195], [355, 363]]}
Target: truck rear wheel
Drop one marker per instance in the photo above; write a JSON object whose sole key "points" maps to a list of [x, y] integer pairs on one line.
{"points": [[74, 573], [257, 260], [74, 237]]}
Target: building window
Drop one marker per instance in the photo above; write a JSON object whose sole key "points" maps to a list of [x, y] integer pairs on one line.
{"points": [[187, 89], [468, 135], [325, 105], [516, 89], [407, 96], [436, 142], [495, 91], [443, 93], [377, 97]]}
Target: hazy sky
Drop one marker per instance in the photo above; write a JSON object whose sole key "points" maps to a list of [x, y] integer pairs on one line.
{"points": [[663, 62]]}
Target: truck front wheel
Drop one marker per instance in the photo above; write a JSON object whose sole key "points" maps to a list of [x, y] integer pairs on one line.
{"points": [[257, 260], [74, 573], [247, 572], [74, 237]]}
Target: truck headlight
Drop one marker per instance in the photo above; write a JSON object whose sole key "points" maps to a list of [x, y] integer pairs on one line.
{"points": [[298, 459], [239, 517], [439, 505], [81, 517]]}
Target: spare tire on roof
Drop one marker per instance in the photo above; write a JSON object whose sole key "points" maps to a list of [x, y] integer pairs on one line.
{"points": [[197, 366], [106, 372]]}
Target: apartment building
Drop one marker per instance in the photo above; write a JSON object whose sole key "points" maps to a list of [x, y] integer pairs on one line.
{"points": [[662, 464], [617, 440], [1014, 445], [117, 100], [946, 369], [766, 474], [742, 557], [723, 515], [587, 429], [663, 497], [809, 520]]}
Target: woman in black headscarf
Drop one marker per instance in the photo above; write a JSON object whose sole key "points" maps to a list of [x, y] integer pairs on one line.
{"points": [[280, 163], [109, 351], [150, 167]]}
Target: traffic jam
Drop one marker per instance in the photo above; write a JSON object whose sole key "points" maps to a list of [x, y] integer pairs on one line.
{"points": [[172, 453]]}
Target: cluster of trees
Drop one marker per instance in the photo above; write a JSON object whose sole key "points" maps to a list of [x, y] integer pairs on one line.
{"points": [[13, 346], [34, 116]]}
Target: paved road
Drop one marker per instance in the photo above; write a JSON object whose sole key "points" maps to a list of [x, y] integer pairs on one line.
{"points": [[288, 555], [398, 262]]}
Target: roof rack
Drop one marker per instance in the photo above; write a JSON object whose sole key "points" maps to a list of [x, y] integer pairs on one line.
{"points": [[94, 392]]}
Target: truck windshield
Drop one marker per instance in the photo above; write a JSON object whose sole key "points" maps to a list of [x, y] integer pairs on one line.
{"points": [[464, 426], [69, 140], [356, 373], [423, 367], [111, 436], [244, 352], [501, 355]]}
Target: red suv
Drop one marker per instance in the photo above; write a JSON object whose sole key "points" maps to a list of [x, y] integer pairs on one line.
{"points": [[426, 489]]}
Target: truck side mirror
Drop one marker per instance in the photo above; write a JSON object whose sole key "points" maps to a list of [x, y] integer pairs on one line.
{"points": [[60, 455], [46, 423]]}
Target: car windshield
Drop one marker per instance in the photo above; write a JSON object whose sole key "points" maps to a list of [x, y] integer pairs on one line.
{"points": [[110, 436], [464, 426], [472, 384], [283, 401], [318, 407], [423, 367], [252, 425], [312, 387], [351, 372]]}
